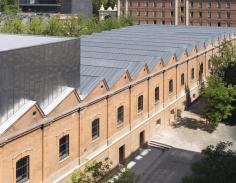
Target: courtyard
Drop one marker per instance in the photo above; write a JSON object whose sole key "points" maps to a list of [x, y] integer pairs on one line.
{"points": [[185, 139]]}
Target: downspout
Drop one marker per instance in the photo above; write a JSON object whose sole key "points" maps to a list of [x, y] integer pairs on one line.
{"points": [[130, 87], [42, 129], [107, 121], [79, 136]]}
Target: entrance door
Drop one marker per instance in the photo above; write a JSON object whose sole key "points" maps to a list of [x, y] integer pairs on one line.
{"points": [[141, 139], [122, 154]]}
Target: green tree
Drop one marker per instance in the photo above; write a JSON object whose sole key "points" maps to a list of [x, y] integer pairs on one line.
{"points": [[126, 176], [217, 166], [55, 27], [219, 99], [36, 26], [13, 26], [224, 64], [8, 6]]}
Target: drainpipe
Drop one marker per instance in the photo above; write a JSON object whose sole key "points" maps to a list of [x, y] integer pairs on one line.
{"points": [[79, 146], [130, 87], [42, 129], [176, 12], [107, 121], [118, 8], [187, 12]]}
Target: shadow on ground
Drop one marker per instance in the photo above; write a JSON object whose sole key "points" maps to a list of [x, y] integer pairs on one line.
{"points": [[193, 124], [170, 167]]}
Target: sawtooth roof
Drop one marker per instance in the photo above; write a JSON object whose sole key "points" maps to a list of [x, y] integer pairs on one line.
{"points": [[107, 55]]}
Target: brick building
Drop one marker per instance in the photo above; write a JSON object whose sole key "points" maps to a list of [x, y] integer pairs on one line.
{"points": [[107, 101], [180, 12]]}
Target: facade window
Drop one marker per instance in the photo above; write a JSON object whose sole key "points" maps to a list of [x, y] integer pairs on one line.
{"points": [[209, 4], [182, 19], [146, 4], [191, 3], [163, 22], [163, 3], [200, 14], [140, 103], [182, 9], [192, 73], [130, 13], [138, 3], [120, 115], [219, 24], [157, 94], [64, 147], [154, 13], [218, 14], [146, 13], [138, 13], [170, 86], [209, 23], [154, 22], [95, 128], [219, 4], [154, 4], [209, 14], [228, 14], [123, 3], [163, 13], [228, 24], [130, 3], [182, 79], [200, 3], [172, 3], [191, 14], [228, 4], [22, 170], [172, 13]]}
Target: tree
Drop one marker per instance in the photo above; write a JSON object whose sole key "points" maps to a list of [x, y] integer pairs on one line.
{"points": [[93, 172], [224, 64], [126, 176], [219, 99], [13, 26], [36, 26], [217, 166], [8, 6]]}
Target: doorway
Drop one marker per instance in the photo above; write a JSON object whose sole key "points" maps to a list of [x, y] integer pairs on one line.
{"points": [[141, 139], [122, 154]]}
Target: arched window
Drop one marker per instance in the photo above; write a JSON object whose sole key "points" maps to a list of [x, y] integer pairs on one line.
{"points": [[192, 73], [157, 94], [140, 103], [22, 170], [64, 147], [170, 86], [120, 115], [95, 128], [182, 79]]}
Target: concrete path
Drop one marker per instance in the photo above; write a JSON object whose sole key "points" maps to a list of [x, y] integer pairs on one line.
{"points": [[191, 133]]}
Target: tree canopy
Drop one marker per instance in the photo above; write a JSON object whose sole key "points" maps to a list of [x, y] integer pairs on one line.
{"points": [[8, 6], [220, 92], [217, 166], [74, 26]]}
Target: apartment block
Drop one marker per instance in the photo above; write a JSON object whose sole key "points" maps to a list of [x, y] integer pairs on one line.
{"points": [[180, 12]]}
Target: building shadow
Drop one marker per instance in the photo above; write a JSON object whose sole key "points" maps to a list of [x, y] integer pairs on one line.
{"points": [[194, 124]]}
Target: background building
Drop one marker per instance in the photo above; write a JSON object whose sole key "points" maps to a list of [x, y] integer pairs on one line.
{"points": [[189, 12], [120, 87], [81, 7]]}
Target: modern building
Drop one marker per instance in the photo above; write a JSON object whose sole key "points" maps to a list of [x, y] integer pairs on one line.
{"points": [[65, 102], [81, 7], [180, 12]]}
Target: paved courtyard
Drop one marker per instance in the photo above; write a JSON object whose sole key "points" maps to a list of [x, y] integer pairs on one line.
{"points": [[188, 136]]}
